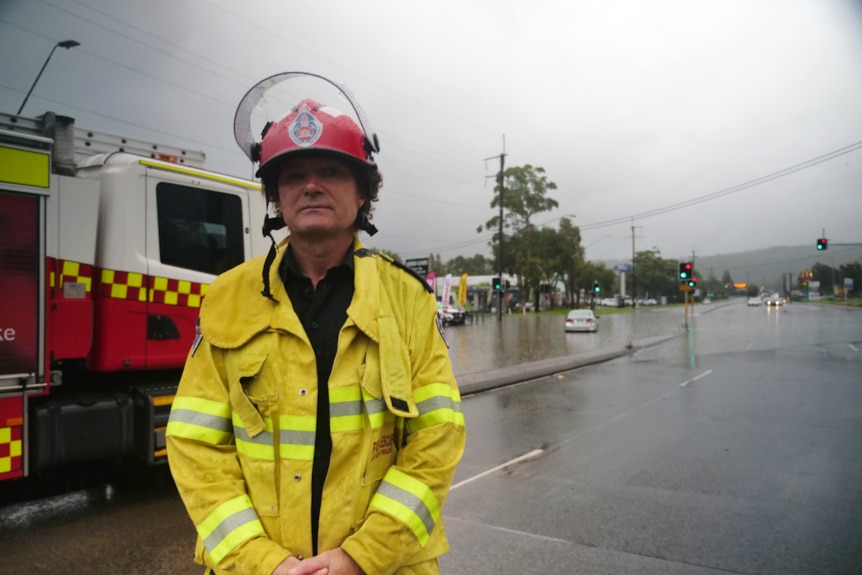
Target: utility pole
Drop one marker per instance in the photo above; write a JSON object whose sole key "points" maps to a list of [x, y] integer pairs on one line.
{"points": [[693, 272], [634, 276], [500, 182]]}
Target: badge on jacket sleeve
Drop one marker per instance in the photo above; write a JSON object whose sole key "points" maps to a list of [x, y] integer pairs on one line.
{"points": [[440, 329], [198, 337]]}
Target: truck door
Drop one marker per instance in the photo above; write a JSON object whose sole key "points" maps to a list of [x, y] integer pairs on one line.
{"points": [[24, 179], [197, 227], [20, 289]]}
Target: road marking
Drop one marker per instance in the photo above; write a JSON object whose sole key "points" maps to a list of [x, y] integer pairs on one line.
{"points": [[853, 347], [530, 455], [513, 531], [695, 378]]}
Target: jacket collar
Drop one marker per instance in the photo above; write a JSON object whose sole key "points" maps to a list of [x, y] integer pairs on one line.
{"points": [[235, 310]]}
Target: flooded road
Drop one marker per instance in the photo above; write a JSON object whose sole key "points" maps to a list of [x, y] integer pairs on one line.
{"points": [[521, 338]]}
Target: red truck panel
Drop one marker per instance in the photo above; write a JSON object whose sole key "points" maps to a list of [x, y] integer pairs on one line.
{"points": [[70, 309], [11, 424], [19, 278]]}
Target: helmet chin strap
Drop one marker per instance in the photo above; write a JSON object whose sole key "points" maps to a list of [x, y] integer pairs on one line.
{"points": [[365, 225]]}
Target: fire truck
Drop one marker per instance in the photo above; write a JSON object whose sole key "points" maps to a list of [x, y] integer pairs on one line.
{"points": [[107, 247]]}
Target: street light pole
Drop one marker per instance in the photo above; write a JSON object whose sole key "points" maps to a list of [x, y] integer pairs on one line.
{"points": [[64, 44]]}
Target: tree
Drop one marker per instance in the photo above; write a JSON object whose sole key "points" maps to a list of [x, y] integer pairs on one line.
{"points": [[852, 271], [477, 265], [657, 276], [590, 272], [572, 257], [524, 195], [435, 264], [826, 276]]}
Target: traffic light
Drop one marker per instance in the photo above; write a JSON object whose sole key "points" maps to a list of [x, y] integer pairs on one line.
{"points": [[685, 271], [822, 244], [597, 288], [692, 282], [496, 284]]}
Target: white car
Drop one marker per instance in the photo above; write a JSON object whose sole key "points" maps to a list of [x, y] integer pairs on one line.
{"points": [[582, 320], [754, 301]]}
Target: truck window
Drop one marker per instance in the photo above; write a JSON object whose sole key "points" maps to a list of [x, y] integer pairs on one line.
{"points": [[199, 229]]}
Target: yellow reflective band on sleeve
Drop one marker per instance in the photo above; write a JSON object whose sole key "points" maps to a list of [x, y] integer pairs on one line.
{"points": [[377, 412], [296, 436], [437, 403], [260, 446], [201, 420], [409, 501], [232, 523], [345, 409]]}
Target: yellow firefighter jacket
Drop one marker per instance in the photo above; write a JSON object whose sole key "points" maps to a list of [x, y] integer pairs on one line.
{"points": [[241, 432]]}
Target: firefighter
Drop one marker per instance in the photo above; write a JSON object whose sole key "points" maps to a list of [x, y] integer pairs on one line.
{"points": [[318, 423]]}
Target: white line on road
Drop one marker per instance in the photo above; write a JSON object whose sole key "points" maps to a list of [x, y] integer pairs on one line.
{"points": [[530, 455], [853, 347], [513, 531], [695, 378]]}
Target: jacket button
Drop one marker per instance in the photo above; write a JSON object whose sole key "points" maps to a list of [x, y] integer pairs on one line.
{"points": [[300, 557], [303, 392], [297, 477]]}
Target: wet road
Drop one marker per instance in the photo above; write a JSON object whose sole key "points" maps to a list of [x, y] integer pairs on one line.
{"points": [[734, 450], [730, 449], [519, 338]]}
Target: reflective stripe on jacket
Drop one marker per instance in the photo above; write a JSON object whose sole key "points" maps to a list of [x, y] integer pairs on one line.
{"points": [[241, 431]]}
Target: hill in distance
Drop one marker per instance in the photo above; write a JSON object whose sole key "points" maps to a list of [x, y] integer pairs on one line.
{"points": [[766, 266]]}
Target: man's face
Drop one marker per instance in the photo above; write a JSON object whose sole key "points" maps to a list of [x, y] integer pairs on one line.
{"points": [[318, 196]]}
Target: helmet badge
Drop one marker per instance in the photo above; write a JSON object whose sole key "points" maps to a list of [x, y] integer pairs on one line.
{"points": [[305, 129]]}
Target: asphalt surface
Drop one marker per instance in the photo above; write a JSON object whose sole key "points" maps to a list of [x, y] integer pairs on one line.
{"points": [[732, 447]]}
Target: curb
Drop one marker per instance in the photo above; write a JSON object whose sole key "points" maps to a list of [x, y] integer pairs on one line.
{"points": [[495, 378]]}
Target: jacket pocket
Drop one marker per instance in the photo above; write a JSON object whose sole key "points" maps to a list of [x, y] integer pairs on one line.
{"points": [[250, 395], [252, 405], [378, 446]]}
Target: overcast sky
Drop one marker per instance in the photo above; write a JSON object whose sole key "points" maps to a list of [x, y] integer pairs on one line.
{"points": [[631, 106]]}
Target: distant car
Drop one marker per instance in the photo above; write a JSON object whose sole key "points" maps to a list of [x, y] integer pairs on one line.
{"points": [[754, 301], [451, 315], [707, 300], [582, 320], [775, 301]]}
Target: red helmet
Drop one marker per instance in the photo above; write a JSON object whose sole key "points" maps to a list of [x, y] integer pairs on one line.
{"points": [[312, 126]]}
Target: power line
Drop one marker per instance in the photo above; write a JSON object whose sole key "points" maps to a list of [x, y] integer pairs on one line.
{"points": [[714, 195], [733, 189], [425, 153]]}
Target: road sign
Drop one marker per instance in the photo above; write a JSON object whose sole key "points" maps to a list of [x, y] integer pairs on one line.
{"points": [[685, 287], [623, 268], [848, 284], [419, 265]]}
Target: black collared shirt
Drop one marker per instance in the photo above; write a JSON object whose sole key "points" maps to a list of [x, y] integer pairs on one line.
{"points": [[322, 312]]}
